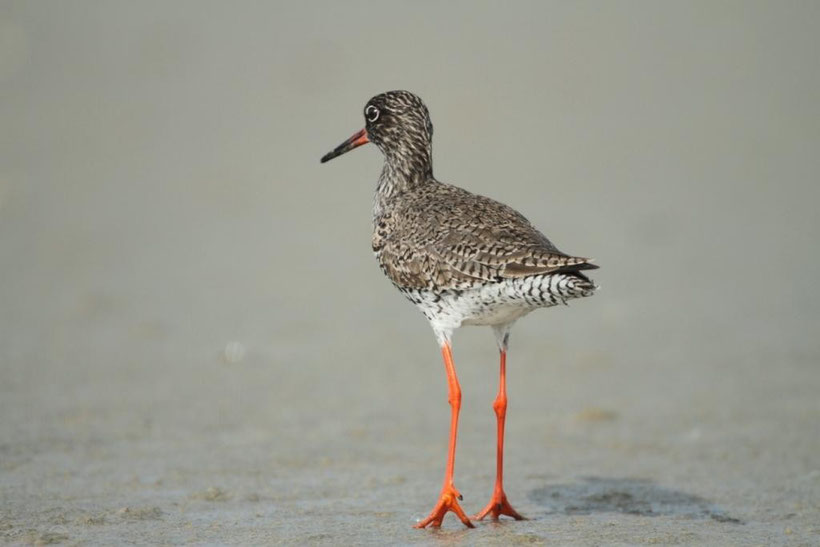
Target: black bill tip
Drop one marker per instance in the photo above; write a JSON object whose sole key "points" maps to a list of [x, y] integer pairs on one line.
{"points": [[359, 138]]}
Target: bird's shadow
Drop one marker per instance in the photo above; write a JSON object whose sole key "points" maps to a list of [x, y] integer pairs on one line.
{"points": [[625, 495]]}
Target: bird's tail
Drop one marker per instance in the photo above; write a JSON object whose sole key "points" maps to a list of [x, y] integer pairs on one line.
{"points": [[575, 285]]}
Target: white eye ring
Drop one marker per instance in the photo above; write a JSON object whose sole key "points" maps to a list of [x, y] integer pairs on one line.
{"points": [[371, 113]]}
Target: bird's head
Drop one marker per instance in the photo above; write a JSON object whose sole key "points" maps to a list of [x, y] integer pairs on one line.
{"points": [[399, 124]]}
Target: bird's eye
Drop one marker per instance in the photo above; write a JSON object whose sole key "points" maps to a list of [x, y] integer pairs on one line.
{"points": [[371, 113]]}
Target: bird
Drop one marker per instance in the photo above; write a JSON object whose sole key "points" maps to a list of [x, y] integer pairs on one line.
{"points": [[462, 259]]}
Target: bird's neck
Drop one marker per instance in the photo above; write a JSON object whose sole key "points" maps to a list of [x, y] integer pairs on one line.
{"points": [[400, 176], [404, 170]]}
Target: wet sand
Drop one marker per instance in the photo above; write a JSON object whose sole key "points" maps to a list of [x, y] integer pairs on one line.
{"points": [[196, 345]]}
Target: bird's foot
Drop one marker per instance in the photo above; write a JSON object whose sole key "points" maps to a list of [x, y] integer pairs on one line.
{"points": [[498, 506], [447, 501]]}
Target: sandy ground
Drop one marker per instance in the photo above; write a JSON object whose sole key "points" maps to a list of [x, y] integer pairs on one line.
{"points": [[196, 345]]}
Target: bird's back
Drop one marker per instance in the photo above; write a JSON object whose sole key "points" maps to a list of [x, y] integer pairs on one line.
{"points": [[439, 237]]}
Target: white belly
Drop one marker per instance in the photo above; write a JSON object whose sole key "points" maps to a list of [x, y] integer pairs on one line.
{"points": [[496, 303]]}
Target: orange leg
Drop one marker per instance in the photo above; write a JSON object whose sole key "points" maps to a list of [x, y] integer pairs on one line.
{"points": [[448, 499], [498, 503]]}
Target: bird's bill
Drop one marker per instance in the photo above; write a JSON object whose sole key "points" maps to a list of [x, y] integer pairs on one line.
{"points": [[359, 138]]}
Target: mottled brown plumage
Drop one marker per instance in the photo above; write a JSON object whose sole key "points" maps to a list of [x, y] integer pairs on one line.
{"points": [[441, 237], [435, 236]]}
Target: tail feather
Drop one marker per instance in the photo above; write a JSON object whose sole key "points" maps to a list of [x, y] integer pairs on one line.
{"points": [[577, 284]]}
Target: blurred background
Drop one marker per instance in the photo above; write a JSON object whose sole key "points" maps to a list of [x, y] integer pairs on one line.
{"points": [[196, 344]]}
